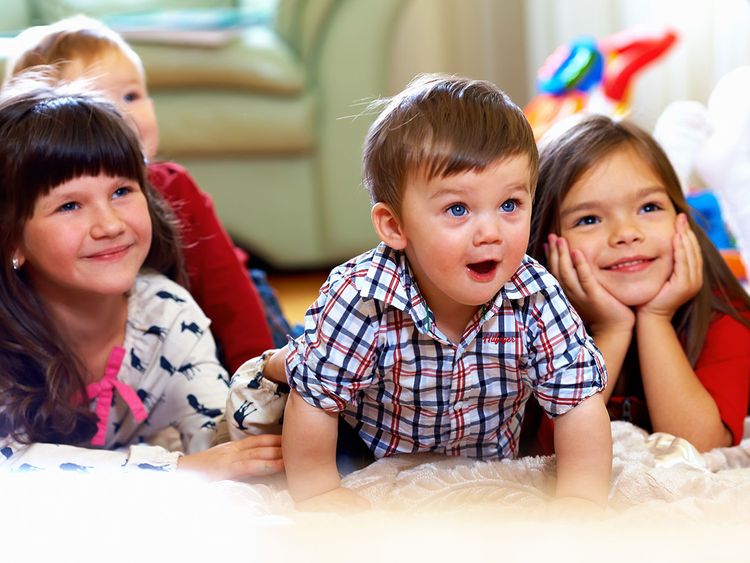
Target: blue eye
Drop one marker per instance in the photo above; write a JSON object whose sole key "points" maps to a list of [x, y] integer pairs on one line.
{"points": [[131, 97], [587, 220], [122, 191], [457, 210], [70, 206], [651, 207], [509, 206]]}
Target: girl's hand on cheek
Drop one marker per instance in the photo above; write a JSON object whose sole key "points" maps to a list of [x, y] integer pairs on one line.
{"points": [[687, 274], [598, 307]]}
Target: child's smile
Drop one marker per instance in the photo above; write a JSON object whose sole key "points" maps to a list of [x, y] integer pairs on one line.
{"points": [[620, 217], [89, 235]]}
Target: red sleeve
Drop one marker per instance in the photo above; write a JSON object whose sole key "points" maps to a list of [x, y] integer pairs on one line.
{"points": [[219, 281], [724, 370]]}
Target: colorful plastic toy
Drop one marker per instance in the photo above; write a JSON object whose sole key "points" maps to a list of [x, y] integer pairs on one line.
{"points": [[587, 74]]}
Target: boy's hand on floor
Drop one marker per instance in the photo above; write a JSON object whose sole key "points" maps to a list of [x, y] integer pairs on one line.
{"points": [[339, 500], [254, 456]]}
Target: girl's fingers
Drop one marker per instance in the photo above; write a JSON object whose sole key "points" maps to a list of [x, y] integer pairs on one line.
{"points": [[583, 272], [568, 276], [553, 256], [258, 467], [695, 257], [267, 453], [679, 270], [688, 257], [259, 441]]}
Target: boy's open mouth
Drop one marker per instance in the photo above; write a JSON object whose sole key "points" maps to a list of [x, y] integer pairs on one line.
{"points": [[483, 268]]}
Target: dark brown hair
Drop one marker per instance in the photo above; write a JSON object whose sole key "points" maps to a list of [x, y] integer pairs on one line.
{"points": [[439, 126], [566, 156], [49, 136]]}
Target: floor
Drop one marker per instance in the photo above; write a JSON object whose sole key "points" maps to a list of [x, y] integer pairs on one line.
{"points": [[297, 291]]}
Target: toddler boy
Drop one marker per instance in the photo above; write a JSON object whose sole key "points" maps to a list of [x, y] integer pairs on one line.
{"points": [[434, 340]]}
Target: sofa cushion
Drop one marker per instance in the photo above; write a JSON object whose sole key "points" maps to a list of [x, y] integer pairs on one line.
{"points": [[238, 123], [257, 60]]}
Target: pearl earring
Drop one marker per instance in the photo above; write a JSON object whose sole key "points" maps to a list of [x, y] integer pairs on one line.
{"points": [[15, 263]]}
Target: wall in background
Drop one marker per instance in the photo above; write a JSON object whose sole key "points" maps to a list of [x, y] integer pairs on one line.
{"points": [[476, 38]]}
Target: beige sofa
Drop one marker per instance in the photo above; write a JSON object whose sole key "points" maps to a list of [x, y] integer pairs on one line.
{"points": [[269, 124]]}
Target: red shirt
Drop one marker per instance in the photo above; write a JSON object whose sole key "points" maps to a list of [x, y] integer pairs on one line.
{"points": [[723, 368], [219, 280]]}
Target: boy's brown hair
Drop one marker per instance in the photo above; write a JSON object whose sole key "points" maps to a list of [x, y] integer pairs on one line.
{"points": [[442, 125], [77, 39]]}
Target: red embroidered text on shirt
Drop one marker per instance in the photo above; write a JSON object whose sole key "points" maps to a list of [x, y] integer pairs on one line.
{"points": [[497, 339]]}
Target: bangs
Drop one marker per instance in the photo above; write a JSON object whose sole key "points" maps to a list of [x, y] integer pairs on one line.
{"points": [[78, 141], [69, 138]]}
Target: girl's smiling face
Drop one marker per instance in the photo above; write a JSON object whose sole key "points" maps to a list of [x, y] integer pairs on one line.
{"points": [[619, 215], [88, 236]]}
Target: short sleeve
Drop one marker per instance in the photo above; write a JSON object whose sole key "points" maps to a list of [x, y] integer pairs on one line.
{"points": [[333, 359], [564, 365], [724, 370]]}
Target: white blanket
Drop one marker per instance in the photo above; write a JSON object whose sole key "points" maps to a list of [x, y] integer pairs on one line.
{"points": [[667, 502]]}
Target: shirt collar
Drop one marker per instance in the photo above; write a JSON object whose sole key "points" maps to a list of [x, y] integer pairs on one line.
{"points": [[529, 278], [389, 279]]}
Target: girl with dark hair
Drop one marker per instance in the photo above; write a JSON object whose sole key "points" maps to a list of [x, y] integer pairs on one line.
{"points": [[611, 223], [99, 349]]}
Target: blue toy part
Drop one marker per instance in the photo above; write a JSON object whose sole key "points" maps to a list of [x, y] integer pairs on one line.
{"points": [[578, 65], [707, 213]]}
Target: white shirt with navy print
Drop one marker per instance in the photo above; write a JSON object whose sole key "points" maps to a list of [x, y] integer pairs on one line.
{"points": [[169, 376]]}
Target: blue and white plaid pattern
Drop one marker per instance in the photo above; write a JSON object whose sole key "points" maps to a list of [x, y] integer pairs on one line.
{"points": [[372, 351]]}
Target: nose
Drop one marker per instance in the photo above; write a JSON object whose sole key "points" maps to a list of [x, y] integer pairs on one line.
{"points": [[487, 230], [625, 232], [106, 222]]}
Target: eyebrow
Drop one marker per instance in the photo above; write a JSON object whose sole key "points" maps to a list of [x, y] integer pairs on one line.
{"points": [[592, 204], [458, 192]]}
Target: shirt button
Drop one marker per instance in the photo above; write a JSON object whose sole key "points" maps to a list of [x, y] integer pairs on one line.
{"points": [[458, 405]]}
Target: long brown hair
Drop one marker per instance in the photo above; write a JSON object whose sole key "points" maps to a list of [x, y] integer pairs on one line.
{"points": [[566, 156], [49, 136]]}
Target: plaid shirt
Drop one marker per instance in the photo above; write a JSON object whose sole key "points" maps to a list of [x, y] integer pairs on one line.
{"points": [[371, 350]]}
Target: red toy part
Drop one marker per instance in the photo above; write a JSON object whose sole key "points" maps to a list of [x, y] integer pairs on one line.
{"points": [[627, 53]]}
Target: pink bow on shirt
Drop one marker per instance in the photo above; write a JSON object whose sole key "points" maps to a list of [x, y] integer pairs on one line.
{"points": [[103, 391]]}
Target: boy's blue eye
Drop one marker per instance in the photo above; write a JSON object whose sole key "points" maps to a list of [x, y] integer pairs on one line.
{"points": [[457, 210], [130, 97], [509, 206], [651, 207], [587, 220]]}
